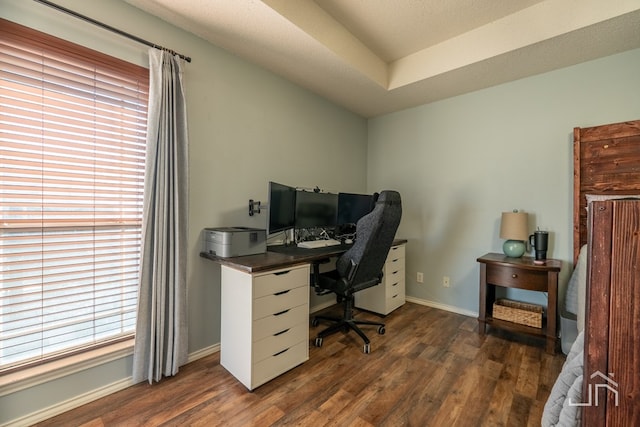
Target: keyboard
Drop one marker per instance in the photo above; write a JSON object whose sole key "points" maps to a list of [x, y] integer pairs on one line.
{"points": [[312, 244]]}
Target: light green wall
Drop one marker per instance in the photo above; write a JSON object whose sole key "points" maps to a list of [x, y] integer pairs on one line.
{"points": [[247, 126], [460, 162]]}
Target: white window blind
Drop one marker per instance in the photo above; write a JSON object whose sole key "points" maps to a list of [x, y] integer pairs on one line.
{"points": [[72, 152]]}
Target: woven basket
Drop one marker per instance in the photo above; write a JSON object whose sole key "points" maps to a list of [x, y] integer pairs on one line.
{"points": [[518, 312]]}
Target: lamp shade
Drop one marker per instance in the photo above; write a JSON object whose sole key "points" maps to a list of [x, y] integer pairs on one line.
{"points": [[514, 226]]}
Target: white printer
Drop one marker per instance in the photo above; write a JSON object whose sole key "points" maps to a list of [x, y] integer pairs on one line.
{"points": [[234, 241]]}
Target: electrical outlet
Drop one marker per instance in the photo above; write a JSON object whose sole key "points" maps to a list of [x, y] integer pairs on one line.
{"points": [[446, 282], [420, 277]]}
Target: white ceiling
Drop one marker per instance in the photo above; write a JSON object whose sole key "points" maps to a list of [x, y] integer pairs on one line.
{"points": [[378, 56]]}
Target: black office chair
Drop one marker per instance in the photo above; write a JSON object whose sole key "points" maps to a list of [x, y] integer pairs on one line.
{"points": [[361, 266]]}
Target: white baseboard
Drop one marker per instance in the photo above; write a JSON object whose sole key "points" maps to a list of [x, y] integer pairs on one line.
{"points": [[204, 352], [414, 300], [72, 403], [441, 306], [83, 399]]}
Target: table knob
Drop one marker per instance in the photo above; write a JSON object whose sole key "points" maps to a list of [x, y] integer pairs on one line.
{"points": [[514, 275]]}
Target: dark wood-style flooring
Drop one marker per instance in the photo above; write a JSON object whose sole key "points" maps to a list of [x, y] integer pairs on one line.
{"points": [[431, 368]]}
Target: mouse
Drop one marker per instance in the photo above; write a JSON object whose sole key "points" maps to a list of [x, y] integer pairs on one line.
{"points": [[348, 241]]}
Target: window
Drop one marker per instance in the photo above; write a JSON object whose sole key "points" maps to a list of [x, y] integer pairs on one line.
{"points": [[72, 152]]}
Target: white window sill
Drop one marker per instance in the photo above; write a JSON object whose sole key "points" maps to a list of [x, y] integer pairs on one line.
{"points": [[29, 377]]}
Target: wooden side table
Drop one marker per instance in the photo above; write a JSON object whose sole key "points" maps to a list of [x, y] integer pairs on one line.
{"points": [[521, 273]]}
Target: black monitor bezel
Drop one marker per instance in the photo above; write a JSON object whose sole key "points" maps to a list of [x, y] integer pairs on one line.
{"points": [[347, 216], [303, 200], [275, 209]]}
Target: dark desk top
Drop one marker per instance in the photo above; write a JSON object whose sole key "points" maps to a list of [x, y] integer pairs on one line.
{"points": [[281, 256]]}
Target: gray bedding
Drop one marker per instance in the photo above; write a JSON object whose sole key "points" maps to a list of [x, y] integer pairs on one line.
{"points": [[560, 409]]}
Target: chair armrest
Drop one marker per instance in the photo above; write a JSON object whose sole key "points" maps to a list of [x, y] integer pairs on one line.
{"points": [[351, 270], [315, 275]]}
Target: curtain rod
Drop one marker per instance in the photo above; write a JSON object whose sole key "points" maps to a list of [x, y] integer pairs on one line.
{"points": [[108, 27]]}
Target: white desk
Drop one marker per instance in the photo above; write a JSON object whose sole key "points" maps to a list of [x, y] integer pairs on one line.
{"points": [[265, 310]]}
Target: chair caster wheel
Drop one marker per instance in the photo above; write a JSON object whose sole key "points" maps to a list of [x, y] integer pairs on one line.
{"points": [[381, 330], [318, 342], [315, 322], [367, 348]]}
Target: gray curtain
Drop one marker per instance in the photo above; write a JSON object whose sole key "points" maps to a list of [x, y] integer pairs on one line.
{"points": [[161, 330]]}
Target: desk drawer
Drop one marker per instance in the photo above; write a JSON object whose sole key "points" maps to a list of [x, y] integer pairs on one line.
{"points": [[274, 344], [392, 276], [394, 301], [395, 253], [280, 280], [276, 323], [395, 288], [514, 277], [276, 303], [277, 364]]}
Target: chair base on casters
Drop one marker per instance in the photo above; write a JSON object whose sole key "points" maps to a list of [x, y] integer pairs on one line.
{"points": [[344, 324]]}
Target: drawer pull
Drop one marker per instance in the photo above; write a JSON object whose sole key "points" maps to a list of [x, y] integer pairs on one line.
{"points": [[281, 332], [394, 296], [396, 284], [280, 273], [282, 292], [280, 352], [280, 313], [514, 275]]}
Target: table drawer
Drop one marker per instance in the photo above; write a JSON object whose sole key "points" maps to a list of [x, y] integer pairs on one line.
{"points": [[514, 277], [278, 322], [280, 280], [276, 364], [274, 344], [276, 303]]}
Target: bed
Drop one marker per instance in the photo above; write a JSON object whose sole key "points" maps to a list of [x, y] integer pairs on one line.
{"points": [[604, 288]]}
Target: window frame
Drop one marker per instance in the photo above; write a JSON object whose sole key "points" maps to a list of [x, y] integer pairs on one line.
{"points": [[77, 53]]}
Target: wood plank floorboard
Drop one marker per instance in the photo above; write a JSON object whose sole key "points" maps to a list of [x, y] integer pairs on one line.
{"points": [[431, 368]]}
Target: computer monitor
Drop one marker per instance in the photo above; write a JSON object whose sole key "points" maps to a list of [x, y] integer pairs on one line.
{"points": [[316, 209], [352, 207], [282, 207]]}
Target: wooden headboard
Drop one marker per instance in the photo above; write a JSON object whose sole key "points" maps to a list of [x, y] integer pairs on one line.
{"points": [[606, 160]]}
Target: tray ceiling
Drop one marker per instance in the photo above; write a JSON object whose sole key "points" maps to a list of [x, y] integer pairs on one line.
{"points": [[378, 56]]}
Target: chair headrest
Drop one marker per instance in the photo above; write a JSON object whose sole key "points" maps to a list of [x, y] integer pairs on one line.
{"points": [[389, 197]]}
